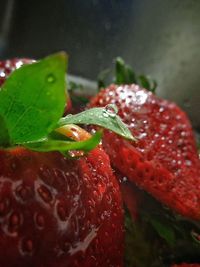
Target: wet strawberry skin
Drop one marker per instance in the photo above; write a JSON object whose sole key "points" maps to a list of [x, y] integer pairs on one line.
{"points": [[59, 212], [164, 161]]}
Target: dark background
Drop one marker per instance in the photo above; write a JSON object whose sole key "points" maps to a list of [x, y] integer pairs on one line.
{"points": [[157, 37]]}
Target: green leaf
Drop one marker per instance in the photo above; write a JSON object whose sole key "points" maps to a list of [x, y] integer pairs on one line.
{"points": [[4, 136], [47, 145], [105, 117], [32, 100]]}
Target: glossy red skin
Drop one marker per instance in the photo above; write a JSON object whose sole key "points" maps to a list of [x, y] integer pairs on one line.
{"points": [[186, 265], [164, 161], [58, 212]]}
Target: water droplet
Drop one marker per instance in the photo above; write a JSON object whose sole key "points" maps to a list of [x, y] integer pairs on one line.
{"points": [[188, 163], [142, 135], [83, 245], [69, 115], [75, 153], [105, 114], [2, 74], [51, 78], [110, 111]]}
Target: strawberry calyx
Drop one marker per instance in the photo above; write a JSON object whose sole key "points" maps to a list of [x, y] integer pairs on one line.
{"points": [[32, 101], [124, 74]]}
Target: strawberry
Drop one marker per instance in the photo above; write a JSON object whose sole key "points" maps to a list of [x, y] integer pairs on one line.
{"points": [[59, 212], [58, 205], [164, 160]]}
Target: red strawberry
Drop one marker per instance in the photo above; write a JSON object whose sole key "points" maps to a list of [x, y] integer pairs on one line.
{"points": [[186, 265], [59, 212], [55, 211], [164, 161]]}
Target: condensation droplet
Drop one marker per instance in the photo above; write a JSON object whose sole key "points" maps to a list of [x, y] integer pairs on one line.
{"points": [[188, 163], [105, 114], [51, 78], [110, 111], [75, 153], [2, 74]]}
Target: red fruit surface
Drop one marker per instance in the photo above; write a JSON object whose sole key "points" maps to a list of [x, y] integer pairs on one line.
{"points": [[186, 265], [164, 161], [59, 212], [8, 66]]}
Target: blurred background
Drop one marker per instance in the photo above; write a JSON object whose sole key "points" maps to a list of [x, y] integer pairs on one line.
{"points": [[156, 37]]}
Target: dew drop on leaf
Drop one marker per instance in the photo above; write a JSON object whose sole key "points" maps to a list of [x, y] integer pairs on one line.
{"points": [[110, 111], [51, 78], [105, 114]]}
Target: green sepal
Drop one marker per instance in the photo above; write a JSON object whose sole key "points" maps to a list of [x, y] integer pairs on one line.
{"points": [[147, 83], [124, 74], [48, 145]]}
